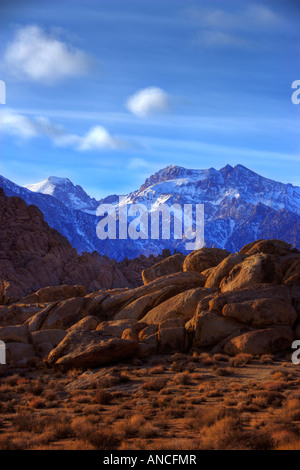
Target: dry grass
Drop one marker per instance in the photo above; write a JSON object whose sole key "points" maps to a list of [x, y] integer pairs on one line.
{"points": [[178, 402]]}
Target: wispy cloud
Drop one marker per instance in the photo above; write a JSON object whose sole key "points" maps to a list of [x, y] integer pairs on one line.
{"points": [[96, 138], [37, 55], [18, 125], [212, 38], [138, 164], [224, 28], [148, 101], [244, 17]]}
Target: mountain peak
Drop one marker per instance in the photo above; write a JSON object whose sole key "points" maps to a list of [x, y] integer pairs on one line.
{"points": [[58, 180], [48, 185], [74, 197]]}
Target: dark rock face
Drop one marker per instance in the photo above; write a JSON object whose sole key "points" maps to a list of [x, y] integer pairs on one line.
{"points": [[33, 256]]}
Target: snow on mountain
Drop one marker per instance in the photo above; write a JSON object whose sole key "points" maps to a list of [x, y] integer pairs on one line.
{"points": [[215, 187], [74, 197], [240, 206]]}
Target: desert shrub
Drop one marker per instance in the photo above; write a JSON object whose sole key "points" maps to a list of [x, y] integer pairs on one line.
{"points": [[220, 357], [279, 374], [60, 429], [155, 385], [37, 402], [182, 378], [113, 379], [267, 359], [82, 426], [292, 409], [275, 385], [102, 397], [206, 359], [223, 372], [24, 422], [7, 443], [174, 413], [103, 440], [209, 415], [129, 427], [156, 370], [228, 434], [241, 360]]}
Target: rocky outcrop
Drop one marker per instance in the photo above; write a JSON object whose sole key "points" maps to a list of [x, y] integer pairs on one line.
{"points": [[261, 312], [53, 294], [264, 341], [91, 349], [15, 333], [269, 247], [33, 256], [17, 314], [292, 275], [20, 354], [139, 307], [108, 304], [181, 306], [222, 270], [173, 264], [205, 258], [48, 336], [207, 328], [117, 327], [255, 269], [248, 302], [258, 291], [239, 304]]}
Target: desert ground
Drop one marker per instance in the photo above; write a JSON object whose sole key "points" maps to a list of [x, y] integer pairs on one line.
{"points": [[176, 402]]}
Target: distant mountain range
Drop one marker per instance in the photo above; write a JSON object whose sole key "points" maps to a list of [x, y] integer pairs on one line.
{"points": [[240, 207]]}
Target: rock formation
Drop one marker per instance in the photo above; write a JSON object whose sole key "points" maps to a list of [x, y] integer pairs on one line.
{"points": [[33, 256], [84, 314]]}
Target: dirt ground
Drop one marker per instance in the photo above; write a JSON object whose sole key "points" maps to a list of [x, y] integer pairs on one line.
{"points": [[178, 402]]}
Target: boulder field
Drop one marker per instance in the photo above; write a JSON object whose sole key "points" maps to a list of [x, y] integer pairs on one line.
{"points": [[210, 300]]}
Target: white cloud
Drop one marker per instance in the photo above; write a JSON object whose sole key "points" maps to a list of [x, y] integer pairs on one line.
{"points": [[148, 101], [17, 124], [33, 54], [96, 138]]}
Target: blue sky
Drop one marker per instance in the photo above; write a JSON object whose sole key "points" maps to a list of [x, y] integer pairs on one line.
{"points": [[107, 92]]}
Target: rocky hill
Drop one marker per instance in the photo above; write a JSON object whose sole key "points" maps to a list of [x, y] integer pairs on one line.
{"points": [[32, 255]]}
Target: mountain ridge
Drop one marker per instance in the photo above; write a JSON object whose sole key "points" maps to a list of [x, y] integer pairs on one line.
{"points": [[240, 206]]}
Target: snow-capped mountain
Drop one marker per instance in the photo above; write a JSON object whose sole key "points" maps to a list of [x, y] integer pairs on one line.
{"points": [[240, 206], [63, 189]]}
